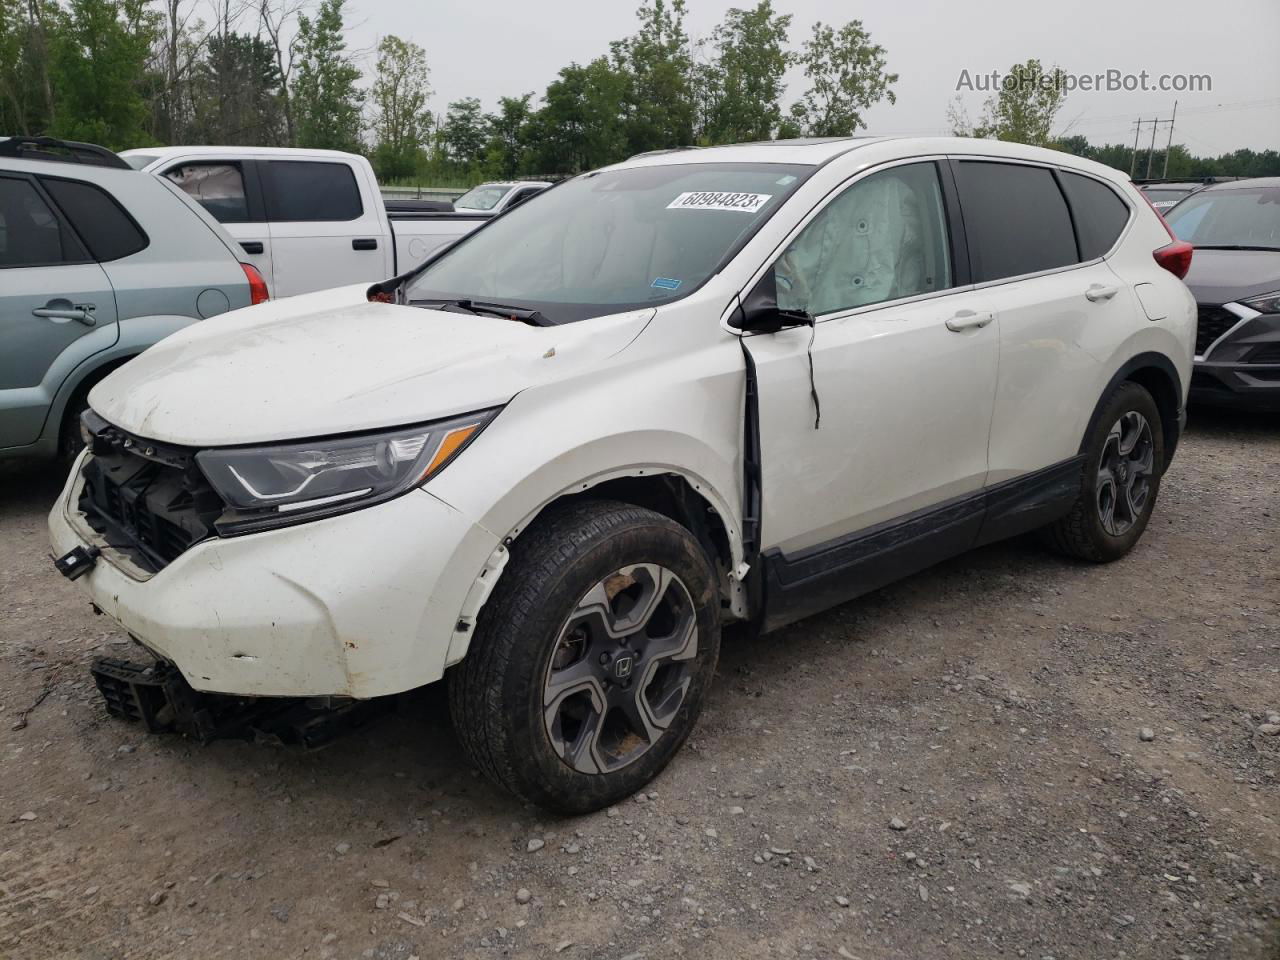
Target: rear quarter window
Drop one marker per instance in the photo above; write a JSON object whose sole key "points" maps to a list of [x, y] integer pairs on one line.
{"points": [[1100, 215], [108, 231], [306, 190], [1016, 219]]}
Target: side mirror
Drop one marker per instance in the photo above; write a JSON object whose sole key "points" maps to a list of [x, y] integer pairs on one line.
{"points": [[759, 311]]}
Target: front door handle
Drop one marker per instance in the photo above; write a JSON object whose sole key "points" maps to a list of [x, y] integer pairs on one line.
{"points": [[61, 310], [1097, 293], [969, 320], [368, 243]]}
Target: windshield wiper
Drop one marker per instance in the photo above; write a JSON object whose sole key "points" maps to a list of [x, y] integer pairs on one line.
{"points": [[533, 317], [1234, 246]]}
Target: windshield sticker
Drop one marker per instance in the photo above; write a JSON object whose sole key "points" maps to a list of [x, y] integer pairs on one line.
{"points": [[786, 181], [716, 200], [666, 283]]}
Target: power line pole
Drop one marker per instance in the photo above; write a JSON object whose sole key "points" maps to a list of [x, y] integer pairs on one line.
{"points": [[1169, 146], [1151, 154], [1133, 163]]}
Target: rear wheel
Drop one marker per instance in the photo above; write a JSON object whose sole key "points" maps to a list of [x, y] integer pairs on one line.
{"points": [[592, 659], [1124, 462]]}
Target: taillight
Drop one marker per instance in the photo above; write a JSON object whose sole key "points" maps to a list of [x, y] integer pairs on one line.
{"points": [[257, 286], [1174, 257]]}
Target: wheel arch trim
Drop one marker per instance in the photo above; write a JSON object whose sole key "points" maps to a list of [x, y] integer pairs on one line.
{"points": [[1173, 392], [487, 578]]}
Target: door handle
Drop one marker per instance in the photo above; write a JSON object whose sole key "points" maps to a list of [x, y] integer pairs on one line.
{"points": [[252, 246], [1097, 293], [364, 244], [969, 320], [61, 310]]}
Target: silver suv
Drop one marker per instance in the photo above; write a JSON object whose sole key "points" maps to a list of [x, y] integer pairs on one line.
{"points": [[97, 263]]}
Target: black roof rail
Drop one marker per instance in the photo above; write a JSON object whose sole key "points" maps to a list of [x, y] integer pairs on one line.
{"points": [[1144, 181], [43, 148]]}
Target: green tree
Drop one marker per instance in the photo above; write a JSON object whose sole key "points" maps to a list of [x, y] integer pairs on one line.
{"points": [[580, 125], [401, 121], [743, 85], [846, 74], [235, 93], [465, 133], [26, 88], [658, 101], [1022, 110], [326, 100], [99, 71], [508, 135]]}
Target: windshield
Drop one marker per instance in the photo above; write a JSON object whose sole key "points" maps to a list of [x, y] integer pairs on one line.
{"points": [[483, 197], [140, 160], [1162, 199], [1241, 216], [613, 240]]}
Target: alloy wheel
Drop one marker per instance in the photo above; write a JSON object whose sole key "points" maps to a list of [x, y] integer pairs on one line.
{"points": [[621, 668], [1125, 472]]}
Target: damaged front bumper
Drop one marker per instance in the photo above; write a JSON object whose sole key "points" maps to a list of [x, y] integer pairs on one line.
{"points": [[359, 605]]}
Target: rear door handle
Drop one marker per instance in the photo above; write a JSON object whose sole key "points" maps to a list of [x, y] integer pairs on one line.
{"points": [[969, 320], [1097, 293], [252, 246], [364, 244], [60, 310]]}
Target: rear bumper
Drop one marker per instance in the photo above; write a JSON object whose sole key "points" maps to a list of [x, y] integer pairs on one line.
{"points": [[359, 605]]}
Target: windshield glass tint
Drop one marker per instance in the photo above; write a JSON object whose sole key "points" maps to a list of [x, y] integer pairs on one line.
{"points": [[612, 240], [1247, 217], [481, 197]]}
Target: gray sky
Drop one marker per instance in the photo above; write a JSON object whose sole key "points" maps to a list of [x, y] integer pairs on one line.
{"points": [[492, 48]]}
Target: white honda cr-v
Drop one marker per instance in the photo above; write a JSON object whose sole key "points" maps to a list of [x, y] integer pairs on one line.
{"points": [[740, 383]]}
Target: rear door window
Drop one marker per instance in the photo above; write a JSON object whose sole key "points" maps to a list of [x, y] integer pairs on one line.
{"points": [[109, 231], [305, 190], [1016, 219], [218, 187], [1099, 213], [30, 233]]}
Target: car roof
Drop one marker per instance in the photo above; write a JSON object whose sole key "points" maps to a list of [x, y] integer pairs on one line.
{"points": [[164, 153], [1246, 184], [820, 150]]}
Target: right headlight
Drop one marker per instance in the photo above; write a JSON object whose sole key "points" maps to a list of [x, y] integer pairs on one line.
{"points": [[286, 483]]}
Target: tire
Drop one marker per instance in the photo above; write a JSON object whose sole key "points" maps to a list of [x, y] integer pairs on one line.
{"points": [[70, 442], [535, 705], [1107, 519]]}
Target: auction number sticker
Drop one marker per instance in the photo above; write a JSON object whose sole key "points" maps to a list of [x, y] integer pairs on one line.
{"points": [[717, 200]]}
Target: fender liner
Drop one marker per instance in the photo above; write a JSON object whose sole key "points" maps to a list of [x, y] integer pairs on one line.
{"points": [[1172, 426]]}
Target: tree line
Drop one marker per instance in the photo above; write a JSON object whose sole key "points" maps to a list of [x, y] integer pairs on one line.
{"points": [[134, 73], [130, 73], [1025, 110]]}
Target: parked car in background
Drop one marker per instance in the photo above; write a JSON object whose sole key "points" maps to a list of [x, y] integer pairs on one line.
{"points": [[1165, 194], [740, 383], [1235, 277], [97, 263], [307, 219], [498, 197]]}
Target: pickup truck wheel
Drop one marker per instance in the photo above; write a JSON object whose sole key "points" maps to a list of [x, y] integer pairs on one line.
{"points": [[591, 660], [1124, 462]]}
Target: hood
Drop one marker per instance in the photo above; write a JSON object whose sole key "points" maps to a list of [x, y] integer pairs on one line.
{"points": [[1221, 276], [332, 363]]}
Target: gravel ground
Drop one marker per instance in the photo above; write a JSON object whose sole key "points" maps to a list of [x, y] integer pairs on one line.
{"points": [[1006, 756]]}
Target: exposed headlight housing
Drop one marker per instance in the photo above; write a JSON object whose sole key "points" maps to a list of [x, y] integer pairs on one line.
{"points": [[291, 482], [1267, 303]]}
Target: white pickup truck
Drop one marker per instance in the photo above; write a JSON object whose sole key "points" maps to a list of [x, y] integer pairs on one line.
{"points": [[307, 219]]}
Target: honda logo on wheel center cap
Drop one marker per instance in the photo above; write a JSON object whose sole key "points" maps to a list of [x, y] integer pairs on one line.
{"points": [[622, 667]]}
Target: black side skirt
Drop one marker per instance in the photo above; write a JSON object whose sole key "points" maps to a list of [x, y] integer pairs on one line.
{"points": [[809, 581]]}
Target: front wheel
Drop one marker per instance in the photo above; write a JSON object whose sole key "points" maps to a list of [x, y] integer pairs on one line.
{"points": [[591, 660], [1124, 462]]}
